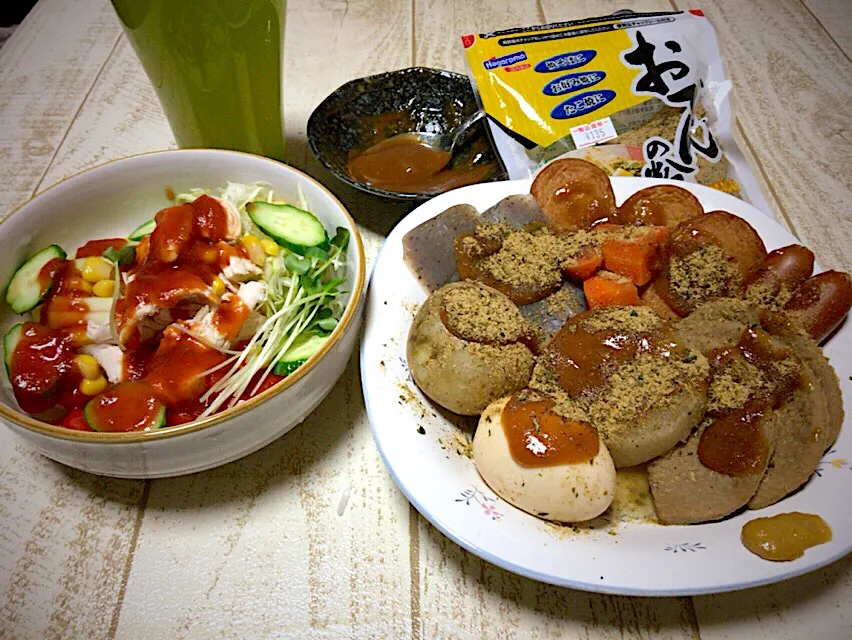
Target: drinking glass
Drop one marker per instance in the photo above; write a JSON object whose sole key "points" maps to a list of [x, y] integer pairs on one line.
{"points": [[216, 68]]}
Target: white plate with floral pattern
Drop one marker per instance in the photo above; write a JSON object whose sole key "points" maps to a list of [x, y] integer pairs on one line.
{"points": [[622, 554]]}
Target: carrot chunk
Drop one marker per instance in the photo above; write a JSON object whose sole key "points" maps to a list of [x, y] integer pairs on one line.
{"points": [[633, 259], [608, 290], [584, 265]]}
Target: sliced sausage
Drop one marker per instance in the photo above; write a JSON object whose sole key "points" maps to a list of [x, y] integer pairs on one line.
{"points": [[574, 194], [663, 205], [709, 256], [785, 268], [821, 302]]}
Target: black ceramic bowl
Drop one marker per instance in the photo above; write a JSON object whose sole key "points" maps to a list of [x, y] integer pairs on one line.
{"points": [[364, 111]]}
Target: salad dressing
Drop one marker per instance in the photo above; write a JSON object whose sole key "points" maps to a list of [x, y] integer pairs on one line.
{"points": [[125, 407], [210, 218], [95, 248], [40, 365], [176, 369], [65, 305], [230, 317]]}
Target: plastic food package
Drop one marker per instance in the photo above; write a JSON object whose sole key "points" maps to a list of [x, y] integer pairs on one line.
{"points": [[641, 94]]}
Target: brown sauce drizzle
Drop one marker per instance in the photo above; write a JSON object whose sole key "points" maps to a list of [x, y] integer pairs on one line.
{"points": [[401, 163], [539, 437], [394, 161], [785, 536], [734, 444], [584, 360]]}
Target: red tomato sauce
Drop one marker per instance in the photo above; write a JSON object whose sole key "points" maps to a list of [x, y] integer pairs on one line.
{"points": [[129, 406], [177, 368], [41, 365], [172, 271], [97, 247], [230, 316]]}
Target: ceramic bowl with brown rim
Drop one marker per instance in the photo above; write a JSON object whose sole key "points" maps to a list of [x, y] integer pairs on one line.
{"points": [[108, 201]]}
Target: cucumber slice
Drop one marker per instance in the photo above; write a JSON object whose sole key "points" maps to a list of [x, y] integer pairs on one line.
{"points": [[144, 229], [25, 290], [124, 256], [286, 368], [289, 226], [10, 341], [296, 355], [128, 406]]}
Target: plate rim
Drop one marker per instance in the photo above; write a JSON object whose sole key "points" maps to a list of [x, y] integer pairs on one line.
{"points": [[468, 544]]}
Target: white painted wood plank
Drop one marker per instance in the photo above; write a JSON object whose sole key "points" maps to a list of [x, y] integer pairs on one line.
{"points": [[813, 606], [306, 538], [466, 598], [46, 69], [835, 16], [65, 537]]}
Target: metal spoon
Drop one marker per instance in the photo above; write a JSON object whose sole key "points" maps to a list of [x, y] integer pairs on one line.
{"points": [[442, 142], [445, 141]]}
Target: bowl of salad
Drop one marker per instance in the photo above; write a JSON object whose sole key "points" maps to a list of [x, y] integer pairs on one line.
{"points": [[170, 312]]}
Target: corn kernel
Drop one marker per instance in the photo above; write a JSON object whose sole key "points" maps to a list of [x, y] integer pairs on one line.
{"points": [[210, 255], [254, 249], [78, 284], [80, 336], [93, 387], [104, 288], [88, 366], [218, 286], [269, 247], [96, 269]]}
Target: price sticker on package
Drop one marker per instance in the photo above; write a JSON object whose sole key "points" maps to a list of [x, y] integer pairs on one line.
{"points": [[592, 133]]}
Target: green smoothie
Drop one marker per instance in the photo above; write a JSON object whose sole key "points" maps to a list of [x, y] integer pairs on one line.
{"points": [[216, 67]]}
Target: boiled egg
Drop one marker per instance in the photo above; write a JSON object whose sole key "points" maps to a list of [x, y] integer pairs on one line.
{"points": [[566, 491]]}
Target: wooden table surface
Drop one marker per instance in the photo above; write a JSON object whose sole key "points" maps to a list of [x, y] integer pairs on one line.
{"points": [[310, 538]]}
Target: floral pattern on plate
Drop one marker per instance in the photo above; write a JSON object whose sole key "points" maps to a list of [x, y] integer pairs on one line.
{"points": [[476, 496], [683, 547], [830, 460]]}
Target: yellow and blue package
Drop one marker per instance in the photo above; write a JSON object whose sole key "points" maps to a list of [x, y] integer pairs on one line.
{"points": [[639, 94]]}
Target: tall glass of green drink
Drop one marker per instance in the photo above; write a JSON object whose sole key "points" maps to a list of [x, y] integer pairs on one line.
{"points": [[216, 67]]}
